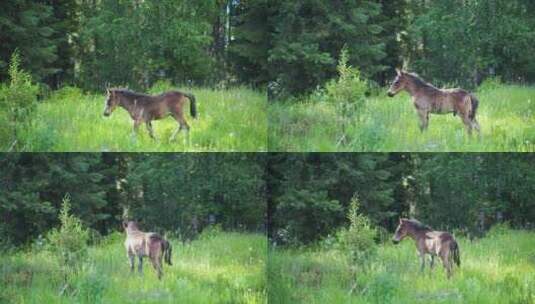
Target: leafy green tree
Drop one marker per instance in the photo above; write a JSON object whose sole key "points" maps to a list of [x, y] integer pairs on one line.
{"points": [[18, 100], [69, 241]]}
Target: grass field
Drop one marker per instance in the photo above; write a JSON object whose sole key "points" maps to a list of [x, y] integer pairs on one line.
{"points": [[496, 269], [220, 268], [229, 120], [506, 114]]}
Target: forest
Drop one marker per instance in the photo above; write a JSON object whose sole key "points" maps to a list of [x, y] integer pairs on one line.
{"points": [[180, 194], [453, 42], [310, 193], [332, 62], [58, 57]]}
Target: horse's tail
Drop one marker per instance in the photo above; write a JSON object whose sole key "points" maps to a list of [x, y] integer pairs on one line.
{"points": [[473, 107], [167, 250], [192, 105], [454, 247]]}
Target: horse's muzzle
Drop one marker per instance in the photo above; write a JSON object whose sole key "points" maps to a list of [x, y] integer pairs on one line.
{"points": [[395, 242], [106, 113], [390, 94]]}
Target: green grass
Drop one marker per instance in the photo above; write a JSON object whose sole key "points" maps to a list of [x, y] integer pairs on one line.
{"points": [[229, 120], [495, 269], [506, 114], [222, 268]]}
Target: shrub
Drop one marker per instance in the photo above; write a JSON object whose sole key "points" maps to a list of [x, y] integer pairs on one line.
{"points": [[211, 232], [161, 86], [357, 240], [68, 242], [18, 99], [348, 92], [490, 84], [499, 229]]}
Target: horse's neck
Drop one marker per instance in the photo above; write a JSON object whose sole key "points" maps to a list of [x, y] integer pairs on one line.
{"points": [[416, 234], [126, 104], [414, 90]]}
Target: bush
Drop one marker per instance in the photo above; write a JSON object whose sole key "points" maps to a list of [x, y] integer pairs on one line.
{"points": [[490, 84], [69, 242], [348, 92], [161, 86], [499, 229], [357, 240], [18, 99], [211, 232]]}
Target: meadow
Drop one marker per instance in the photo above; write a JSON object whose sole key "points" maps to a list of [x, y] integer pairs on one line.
{"points": [[498, 268], [69, 120], [223, 267], [506, 114]]}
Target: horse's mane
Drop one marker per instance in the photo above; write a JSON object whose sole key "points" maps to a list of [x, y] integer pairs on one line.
{"points": [[418, 225], [419, 81]]}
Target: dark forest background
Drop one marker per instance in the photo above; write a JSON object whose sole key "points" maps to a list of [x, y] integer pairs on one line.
{"points": [[448, 42], [309, 194], [90, 43], [173, 193]]}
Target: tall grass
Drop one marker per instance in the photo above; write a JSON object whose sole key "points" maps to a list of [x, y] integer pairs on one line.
{"points": [[229, 120], [495, 269], [221, 268], [506, 114]]}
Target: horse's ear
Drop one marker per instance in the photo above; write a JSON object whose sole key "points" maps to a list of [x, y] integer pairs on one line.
{"points": [[398, 71]]}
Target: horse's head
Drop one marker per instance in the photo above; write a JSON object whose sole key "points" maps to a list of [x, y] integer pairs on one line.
{"points": [[401, 231], [398, 84], [130, 225], [111, 102]]}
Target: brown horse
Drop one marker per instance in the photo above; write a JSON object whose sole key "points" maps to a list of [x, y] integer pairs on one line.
{"points": [[428, 99], [434, 243], [147, 244], [146, 108]]}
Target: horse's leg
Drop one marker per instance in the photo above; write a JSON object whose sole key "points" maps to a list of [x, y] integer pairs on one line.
{"points": [[149, 128], [422, 258], [476, 126], [131, 258], [182, 124], [137, 122], [424, 119], [445, 257], [140, 264], [156, 263], [467, 123], [432, 263]]}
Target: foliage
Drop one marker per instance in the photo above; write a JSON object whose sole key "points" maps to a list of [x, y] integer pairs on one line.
{"points": [[447, 42], [18, 99], [179, 194], [357, 240], [69, 241], [309, 35], [31, 29], [309, 193]]}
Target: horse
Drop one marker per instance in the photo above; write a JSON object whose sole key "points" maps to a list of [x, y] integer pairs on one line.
{"points": [[428, 241], [146, 108], [429, 99], [146, 244]]}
